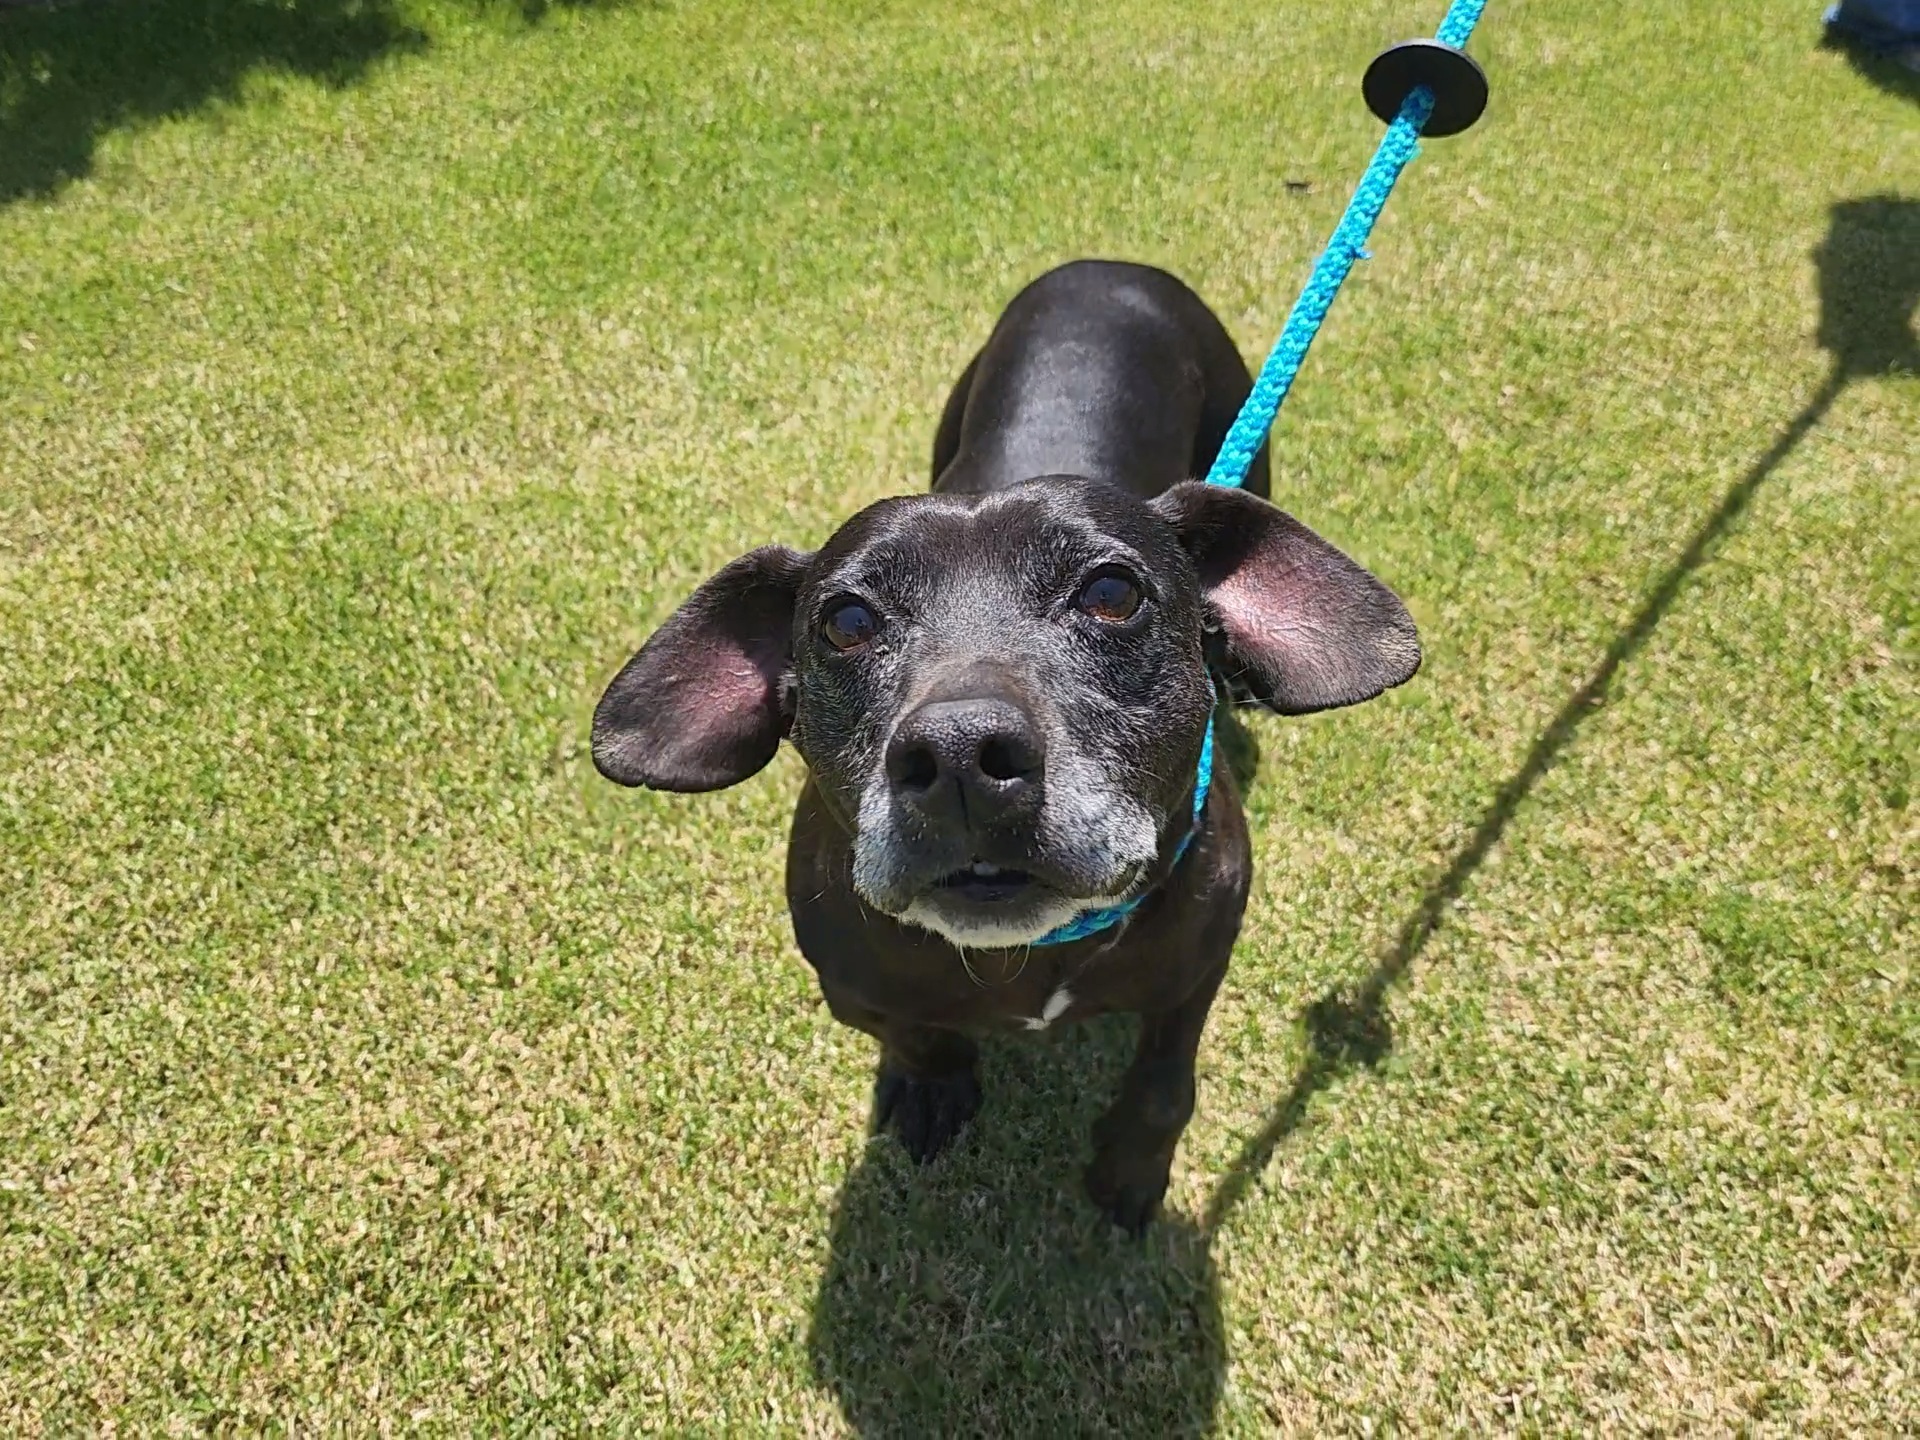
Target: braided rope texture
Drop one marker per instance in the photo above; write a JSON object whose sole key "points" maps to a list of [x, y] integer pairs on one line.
{"points": [[1397, 149]]}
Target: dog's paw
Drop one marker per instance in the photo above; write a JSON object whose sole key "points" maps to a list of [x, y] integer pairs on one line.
{"points": [[1127, 1192], [924, 1114]]}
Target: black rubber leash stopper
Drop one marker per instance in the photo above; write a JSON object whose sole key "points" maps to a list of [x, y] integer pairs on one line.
{"points": [[1458, 83]]}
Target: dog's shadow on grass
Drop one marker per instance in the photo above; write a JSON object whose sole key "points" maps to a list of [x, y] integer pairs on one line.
{"points": [[1869, 287], [984, 1295]]}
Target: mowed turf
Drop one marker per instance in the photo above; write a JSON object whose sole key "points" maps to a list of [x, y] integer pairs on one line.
{"points": [[373, 377]]}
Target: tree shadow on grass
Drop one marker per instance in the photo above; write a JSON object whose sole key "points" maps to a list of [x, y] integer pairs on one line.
{"points": [[1869, 272], [72, 71], [983, 1295]]}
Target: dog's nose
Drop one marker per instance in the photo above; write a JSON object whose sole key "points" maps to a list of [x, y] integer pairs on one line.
{"points": [[971, 762]]}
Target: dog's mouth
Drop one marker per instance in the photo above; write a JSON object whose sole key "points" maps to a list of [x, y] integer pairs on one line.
{"points": [[984, 883], [983, 905]]}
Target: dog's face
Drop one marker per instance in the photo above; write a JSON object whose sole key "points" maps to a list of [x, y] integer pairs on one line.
{"points": [[1002, 698]]}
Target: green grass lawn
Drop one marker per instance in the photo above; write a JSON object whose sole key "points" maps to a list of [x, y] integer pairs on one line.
{"points": [[375, 373]]}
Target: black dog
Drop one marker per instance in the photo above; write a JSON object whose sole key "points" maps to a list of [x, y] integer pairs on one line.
{"points": [[1003, 691]]}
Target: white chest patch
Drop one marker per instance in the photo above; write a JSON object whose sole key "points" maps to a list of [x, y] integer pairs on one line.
{"points": [[1055, 1007]]}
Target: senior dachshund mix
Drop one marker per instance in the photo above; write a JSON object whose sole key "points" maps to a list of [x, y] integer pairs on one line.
{"points": [[1004, 693]]}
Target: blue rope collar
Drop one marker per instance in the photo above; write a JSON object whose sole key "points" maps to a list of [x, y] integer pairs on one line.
{"points": [[1092, 922]]}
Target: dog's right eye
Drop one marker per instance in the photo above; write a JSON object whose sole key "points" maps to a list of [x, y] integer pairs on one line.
{"points": [[1112, 595], [848, 625]]}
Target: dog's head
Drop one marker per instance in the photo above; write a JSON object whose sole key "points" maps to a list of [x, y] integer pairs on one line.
{"points": [[1003, 697]]}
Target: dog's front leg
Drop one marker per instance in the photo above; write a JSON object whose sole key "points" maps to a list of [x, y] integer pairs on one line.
{"points": [[1135, 1140], [926, 1089]]}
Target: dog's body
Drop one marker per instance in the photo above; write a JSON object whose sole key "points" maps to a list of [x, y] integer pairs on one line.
{"points": [[1001, 690], [1114, 371]]}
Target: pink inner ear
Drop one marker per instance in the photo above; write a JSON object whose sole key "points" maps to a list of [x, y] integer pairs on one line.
{"points": [[1269, 612], [1309, 626], [1276, 604], [726, 700], [1306, 628], [739, 682], [700, 705]]}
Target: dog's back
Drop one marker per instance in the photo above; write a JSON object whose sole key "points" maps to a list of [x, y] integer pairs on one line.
{"points": [[1100, 368]]}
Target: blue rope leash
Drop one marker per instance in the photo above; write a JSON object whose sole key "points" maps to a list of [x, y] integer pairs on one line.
{"points": [[1250, 427], [1397, 148]]}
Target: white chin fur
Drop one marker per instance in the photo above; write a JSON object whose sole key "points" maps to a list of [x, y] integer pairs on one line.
{"points": [[983, 933], [1088, 818]]}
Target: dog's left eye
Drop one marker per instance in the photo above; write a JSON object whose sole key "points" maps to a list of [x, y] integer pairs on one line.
{"points": [[1111, 596], [848, 625]]}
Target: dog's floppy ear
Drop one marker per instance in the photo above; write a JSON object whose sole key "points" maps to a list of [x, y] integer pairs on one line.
{"points": [[705, 701], [1304, 627]]}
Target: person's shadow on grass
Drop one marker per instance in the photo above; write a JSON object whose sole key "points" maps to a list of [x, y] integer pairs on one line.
{"points": [[1875, 64], [983, 1295], [1869, 285]]}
